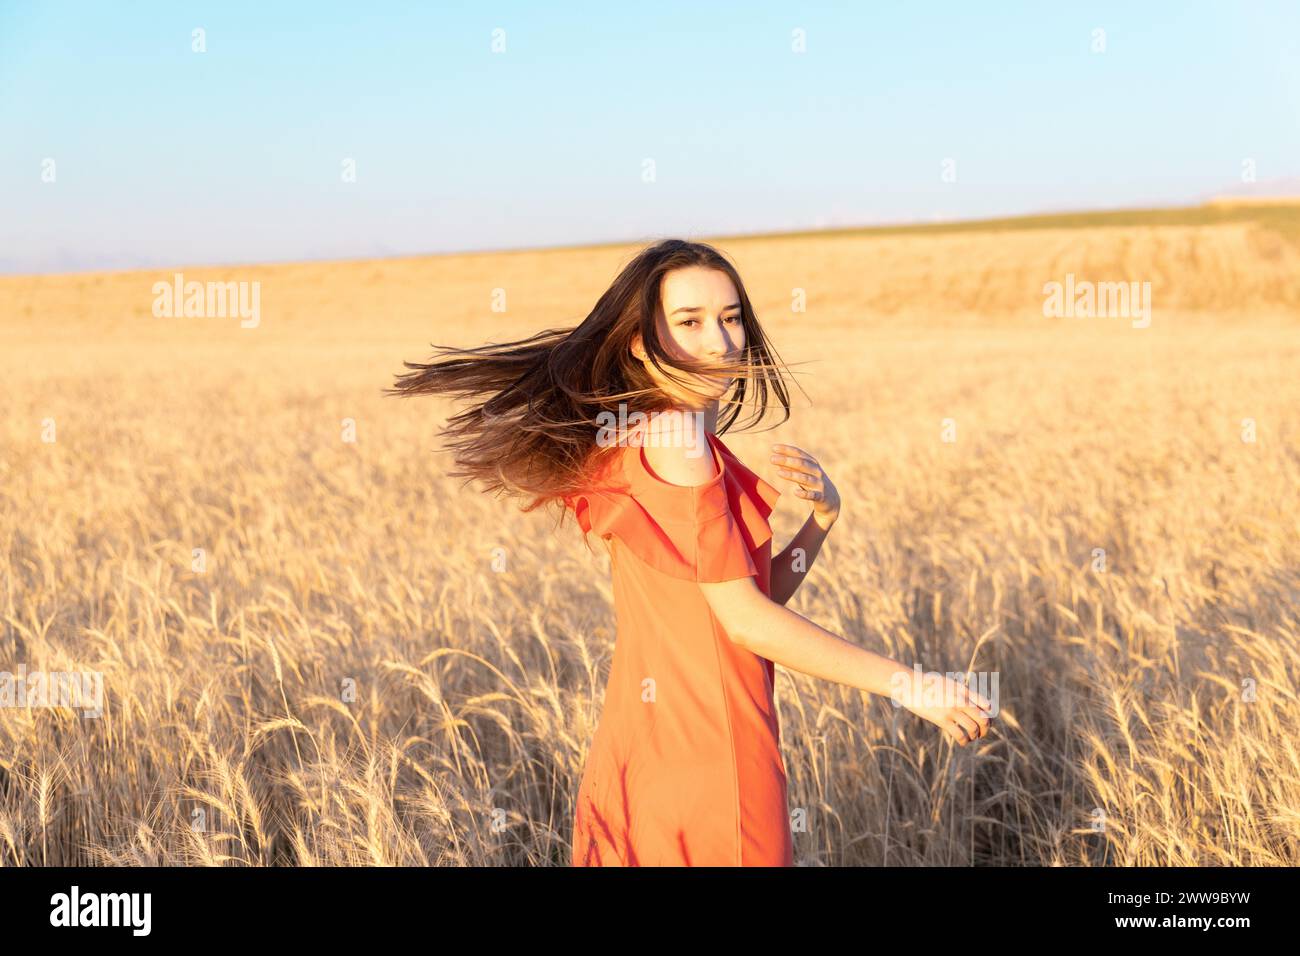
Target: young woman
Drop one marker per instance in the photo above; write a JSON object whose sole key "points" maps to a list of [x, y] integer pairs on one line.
{"points": [[617, 420]]}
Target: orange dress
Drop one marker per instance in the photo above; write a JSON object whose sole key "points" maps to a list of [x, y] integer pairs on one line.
{"points": [[685, 767]]}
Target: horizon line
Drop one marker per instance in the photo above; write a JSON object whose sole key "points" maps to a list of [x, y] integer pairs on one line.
{"points": [[1221, 203]]}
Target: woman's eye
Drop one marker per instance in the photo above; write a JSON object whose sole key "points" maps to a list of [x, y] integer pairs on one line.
{"points": [[730, 318]]}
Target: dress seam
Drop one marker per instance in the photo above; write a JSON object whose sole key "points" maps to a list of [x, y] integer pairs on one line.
{"points": [[731, 741], [731, 733]]}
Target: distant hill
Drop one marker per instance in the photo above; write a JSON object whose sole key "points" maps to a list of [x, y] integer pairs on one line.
{"points": [[1230, 200], [1240, 258], [1272, 192], [1216, 210]]}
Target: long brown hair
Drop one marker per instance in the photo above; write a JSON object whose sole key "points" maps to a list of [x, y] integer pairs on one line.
{"points": [[535, 432]]}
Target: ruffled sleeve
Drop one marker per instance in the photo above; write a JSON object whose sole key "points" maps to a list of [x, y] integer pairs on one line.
{"points": [[702, 533]]}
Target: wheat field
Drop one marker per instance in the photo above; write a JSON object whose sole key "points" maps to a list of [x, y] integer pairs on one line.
{"points": [[316, 649]]}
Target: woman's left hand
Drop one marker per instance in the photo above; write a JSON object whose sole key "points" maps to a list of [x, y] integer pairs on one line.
{"points": [[801, 468]]}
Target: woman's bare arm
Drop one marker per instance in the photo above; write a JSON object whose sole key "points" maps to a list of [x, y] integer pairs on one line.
{"points": [[773, 631], [811, 483], [770, 630], [790, 568]]}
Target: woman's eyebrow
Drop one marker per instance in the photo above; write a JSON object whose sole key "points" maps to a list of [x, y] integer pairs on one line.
{"points": [[697, 308]]}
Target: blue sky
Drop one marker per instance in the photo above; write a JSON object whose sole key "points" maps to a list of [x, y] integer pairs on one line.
{"points": [[164, 156]]}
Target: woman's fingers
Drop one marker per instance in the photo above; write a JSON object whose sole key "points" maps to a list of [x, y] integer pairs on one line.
{"points": [[793, 453], [803, 469], [793, 461], [967, 723], [981, 719], [802, 464], [783, 449], [803, 477], [970, 723], [955, 731]]}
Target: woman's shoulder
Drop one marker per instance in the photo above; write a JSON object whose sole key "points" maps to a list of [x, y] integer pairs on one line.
{"points": [[673, 476], [693, 531], [679, 466]]}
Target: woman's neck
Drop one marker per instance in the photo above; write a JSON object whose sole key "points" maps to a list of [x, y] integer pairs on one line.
{"points": [[711, 418], [673, 428], [708, 414]]}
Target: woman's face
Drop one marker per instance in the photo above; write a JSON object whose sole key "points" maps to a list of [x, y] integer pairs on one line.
{"points": [[699, 319]]}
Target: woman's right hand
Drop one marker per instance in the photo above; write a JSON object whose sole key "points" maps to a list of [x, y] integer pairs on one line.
{"points": [[949, 704]]}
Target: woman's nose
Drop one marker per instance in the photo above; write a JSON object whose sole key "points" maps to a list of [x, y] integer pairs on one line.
{"points": [[719, 343]]}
